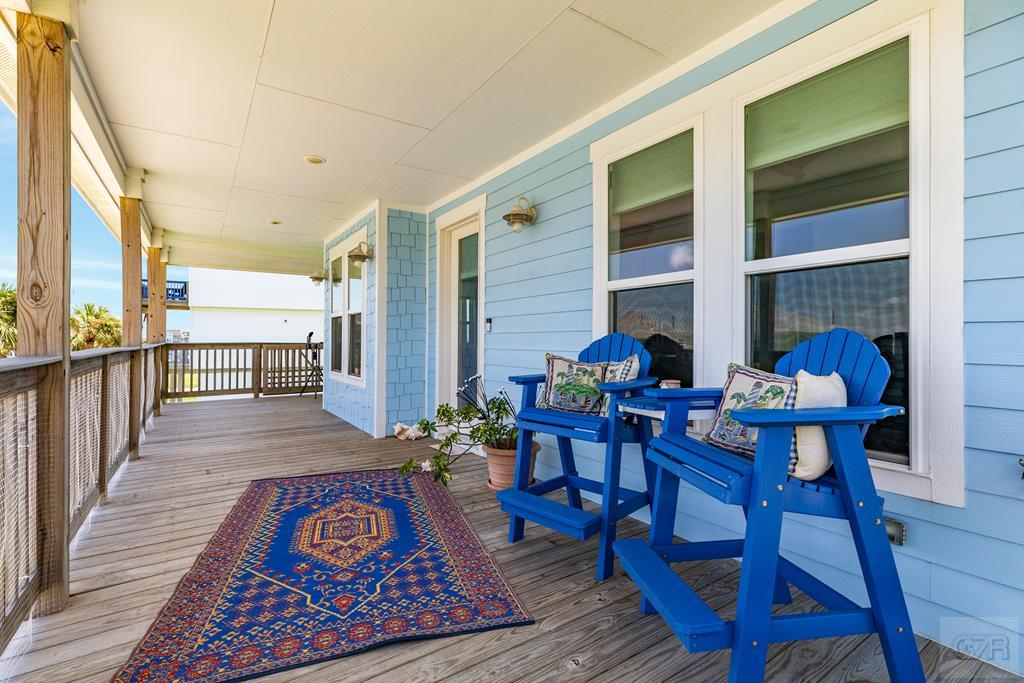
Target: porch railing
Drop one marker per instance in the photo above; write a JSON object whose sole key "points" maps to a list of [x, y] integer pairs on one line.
{"points": [[100, 437], [194, 370], [177, 291]]}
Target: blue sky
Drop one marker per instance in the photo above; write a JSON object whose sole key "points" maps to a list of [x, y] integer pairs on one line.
{"points": [[95, 253]]}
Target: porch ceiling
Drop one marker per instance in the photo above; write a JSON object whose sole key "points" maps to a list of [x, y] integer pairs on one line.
{"points": [[407, 101]]}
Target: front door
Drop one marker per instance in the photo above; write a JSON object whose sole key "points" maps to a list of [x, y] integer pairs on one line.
{"points": [[463, 309]]}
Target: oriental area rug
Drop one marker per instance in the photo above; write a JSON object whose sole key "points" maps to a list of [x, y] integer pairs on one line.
{"points": [[308, 569]]}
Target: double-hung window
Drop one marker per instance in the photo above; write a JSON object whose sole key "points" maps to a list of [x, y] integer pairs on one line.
{"points": [[347, 304], [827, 220], [819, 187], [650, 257]]}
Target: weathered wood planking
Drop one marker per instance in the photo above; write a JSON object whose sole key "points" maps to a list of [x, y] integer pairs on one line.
{"points": [[162, 509], [44, 274]]}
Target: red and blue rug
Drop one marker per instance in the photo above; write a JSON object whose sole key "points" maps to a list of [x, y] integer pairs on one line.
{"points": [[313, 568]]}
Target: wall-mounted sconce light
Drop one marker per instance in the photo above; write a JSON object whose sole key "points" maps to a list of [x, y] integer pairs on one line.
{"points": [[362, 252], [520, 215], [318, 277]]}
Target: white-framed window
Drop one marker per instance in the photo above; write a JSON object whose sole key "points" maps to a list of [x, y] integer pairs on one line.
{"points": [[828, 193], [348, 303], [644, 283]]}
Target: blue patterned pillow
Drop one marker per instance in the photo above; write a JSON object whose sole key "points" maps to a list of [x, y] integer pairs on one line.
{"points": [[748, 388]]}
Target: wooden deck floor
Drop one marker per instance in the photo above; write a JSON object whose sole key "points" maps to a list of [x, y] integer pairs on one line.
{"points": [[199, 457]]}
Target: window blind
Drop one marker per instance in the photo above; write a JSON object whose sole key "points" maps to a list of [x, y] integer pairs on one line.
{"points": [[868, 95], [652, 175]]}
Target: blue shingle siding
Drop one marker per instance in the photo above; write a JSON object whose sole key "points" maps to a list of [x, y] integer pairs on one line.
{"points": [[406, 316], [957, 562], [352, 403]]}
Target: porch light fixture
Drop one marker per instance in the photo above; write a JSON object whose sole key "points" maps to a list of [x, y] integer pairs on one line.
{"points": [[362, 252], [520, 215], [314, 159], [319, 276]]}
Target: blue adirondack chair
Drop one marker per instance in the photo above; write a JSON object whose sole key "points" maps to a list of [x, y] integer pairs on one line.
{"points": [[524, 501], [764, 490]]}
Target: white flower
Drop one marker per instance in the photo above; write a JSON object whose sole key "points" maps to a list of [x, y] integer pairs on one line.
{"points": [[426, 466], [399, 428]]}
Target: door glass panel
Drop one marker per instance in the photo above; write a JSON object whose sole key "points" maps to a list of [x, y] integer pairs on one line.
{"points": [[828, 159], [650, 221], [661, 318], [467, 305], [870, 298]]}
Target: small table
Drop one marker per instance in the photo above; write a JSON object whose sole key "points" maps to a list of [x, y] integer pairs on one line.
{"points": [[649, 406]]}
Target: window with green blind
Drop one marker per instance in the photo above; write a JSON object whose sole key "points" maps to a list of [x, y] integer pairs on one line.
{"points": [[650, 201], [827, 160], [827, 166]]}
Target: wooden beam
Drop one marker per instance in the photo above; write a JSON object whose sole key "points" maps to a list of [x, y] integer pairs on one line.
{"points": [[156, 306], [131, 272], [131, 318], [44, 276]]}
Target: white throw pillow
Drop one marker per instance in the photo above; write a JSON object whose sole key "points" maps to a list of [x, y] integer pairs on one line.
{"points": [[814, 391]]}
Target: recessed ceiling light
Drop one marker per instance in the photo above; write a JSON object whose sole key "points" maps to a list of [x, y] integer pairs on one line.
{"points": [[275, 221], [314, 159]]}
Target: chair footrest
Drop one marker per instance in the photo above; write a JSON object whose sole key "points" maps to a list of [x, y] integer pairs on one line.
{"points": [[682, 609], [552, 514]]}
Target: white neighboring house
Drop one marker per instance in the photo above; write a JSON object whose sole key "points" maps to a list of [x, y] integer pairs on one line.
{"points": [[241, 306]]}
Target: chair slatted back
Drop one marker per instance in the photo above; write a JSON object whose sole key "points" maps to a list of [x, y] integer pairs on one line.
{"points": [[616, 347], [857, 360]]}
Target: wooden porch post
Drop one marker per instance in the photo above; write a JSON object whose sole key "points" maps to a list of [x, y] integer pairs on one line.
{"points": [[156, 324], [44, 277], [131, 319]]}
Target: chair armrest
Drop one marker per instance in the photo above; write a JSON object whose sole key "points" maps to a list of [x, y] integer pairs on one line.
{"points": [[628, 385], [814, 417], [527, 379], [686, 394]]}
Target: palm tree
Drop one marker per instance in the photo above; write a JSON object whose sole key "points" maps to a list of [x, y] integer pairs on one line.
{"points": [[93, 326], [8, 319]]}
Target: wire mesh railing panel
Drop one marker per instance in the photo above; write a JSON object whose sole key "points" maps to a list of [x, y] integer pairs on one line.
{"points": [[86, 423], [151, 367], [19, 454], [119, 395]]}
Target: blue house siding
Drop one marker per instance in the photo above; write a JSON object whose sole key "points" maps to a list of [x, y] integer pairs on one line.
{"points": [[958, 562], [406, 316], [352, 403]]}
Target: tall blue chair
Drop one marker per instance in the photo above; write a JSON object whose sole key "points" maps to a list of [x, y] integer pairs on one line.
{"points": [[524, 501], [764, 489]]}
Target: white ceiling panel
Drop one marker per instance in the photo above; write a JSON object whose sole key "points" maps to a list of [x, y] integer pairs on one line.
{"points": [[675, 28], [253, 210], [180, 171], [288, 240], [184, 67], [185, 219], [284, 127], [413, 185], [573, 66], [409, 61]]}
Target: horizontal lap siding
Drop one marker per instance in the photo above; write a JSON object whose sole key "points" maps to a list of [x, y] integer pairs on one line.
{"points": [[958, 562]]}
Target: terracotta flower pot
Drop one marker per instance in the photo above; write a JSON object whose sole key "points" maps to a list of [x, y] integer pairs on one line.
{"points": [[501, 466]]}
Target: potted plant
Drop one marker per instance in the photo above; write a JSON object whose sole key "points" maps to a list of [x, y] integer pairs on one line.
{"points": [[489, 423]]}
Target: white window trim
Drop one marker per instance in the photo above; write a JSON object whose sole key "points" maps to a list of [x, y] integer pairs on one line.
{"points": [[610, 152], [936, 180], [341, 250], [454, 219]]}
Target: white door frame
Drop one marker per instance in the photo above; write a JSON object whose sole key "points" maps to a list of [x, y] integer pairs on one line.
{"points": [[451, 227]]}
